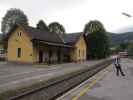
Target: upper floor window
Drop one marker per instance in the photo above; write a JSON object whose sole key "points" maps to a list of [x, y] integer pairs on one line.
{"points": [[19, 33]]}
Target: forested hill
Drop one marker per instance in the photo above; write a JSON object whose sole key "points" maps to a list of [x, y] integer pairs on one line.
{"points": [[121, 38]]}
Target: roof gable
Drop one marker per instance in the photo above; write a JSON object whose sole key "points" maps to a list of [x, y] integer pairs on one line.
{"points": [[72, 38], [37, 34]]}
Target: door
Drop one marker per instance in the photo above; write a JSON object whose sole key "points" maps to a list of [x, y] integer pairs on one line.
{"points": [[59, 55], [40, 56], [50, 56]]}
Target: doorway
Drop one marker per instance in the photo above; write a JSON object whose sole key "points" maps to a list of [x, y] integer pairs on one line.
{"points": [[40, 56], [59, 56]]}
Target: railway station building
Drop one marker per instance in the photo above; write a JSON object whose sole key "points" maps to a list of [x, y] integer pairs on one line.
{"points": [[27, 44]]}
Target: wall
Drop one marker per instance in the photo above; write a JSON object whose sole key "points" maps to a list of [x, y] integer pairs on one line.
{"points": [[22, 42], [79, 52]]}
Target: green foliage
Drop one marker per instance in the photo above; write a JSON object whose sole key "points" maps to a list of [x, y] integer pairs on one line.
{"points": [[56, 28], [94, 27], [13, 16], [42, 26], [120, 47], [130, 49], [123, 46], [116, 50], [119, 38], [97, 40]]}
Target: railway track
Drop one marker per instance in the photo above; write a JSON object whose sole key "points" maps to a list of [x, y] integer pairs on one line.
{"points": [[61, 85]]}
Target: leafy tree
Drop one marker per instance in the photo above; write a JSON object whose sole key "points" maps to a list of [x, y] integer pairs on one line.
{"points": [[97, 40], [130, 49], [123, 46], [115, 49], [13, 16], [56, 28], [93, 27], [42, 26]]}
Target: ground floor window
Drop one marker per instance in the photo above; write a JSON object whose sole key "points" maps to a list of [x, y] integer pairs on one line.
{"points": [[18, 52], [1, 51], [79, 52], [83, 53]]}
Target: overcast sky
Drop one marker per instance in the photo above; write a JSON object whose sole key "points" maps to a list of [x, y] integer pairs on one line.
{"points": [[74, 14]]}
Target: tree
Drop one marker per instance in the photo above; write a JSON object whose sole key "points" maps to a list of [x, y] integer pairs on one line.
{"points": [[42, 26], [97, 40], [56, 28], [123, 46], [93, 27], [12, 17], [130, 49]]}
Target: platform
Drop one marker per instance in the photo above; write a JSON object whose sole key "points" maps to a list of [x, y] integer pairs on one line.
{"points": [[105, 85]]}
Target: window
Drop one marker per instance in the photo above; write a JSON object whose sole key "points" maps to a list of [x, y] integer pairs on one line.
{"points": [[19, 33], [83, 53], [1, 51], [18, 52], [79, 52]]}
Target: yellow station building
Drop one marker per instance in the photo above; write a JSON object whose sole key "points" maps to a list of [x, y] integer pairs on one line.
{"points": [[26, 44]]}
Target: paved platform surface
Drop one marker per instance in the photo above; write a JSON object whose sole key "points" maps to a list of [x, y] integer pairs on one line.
{"points": [[14, 75], [105, 85]]}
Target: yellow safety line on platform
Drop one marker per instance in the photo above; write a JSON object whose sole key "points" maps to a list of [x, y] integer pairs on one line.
{"points": [[88, 88]]}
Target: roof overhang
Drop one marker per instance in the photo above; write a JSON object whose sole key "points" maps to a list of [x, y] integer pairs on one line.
{"points": [[52, 44]]}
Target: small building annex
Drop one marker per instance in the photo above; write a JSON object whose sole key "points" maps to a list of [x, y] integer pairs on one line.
{"points": [[31, 45]]}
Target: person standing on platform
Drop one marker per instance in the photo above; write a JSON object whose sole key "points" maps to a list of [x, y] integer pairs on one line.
{"points": [[118, 65]]}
